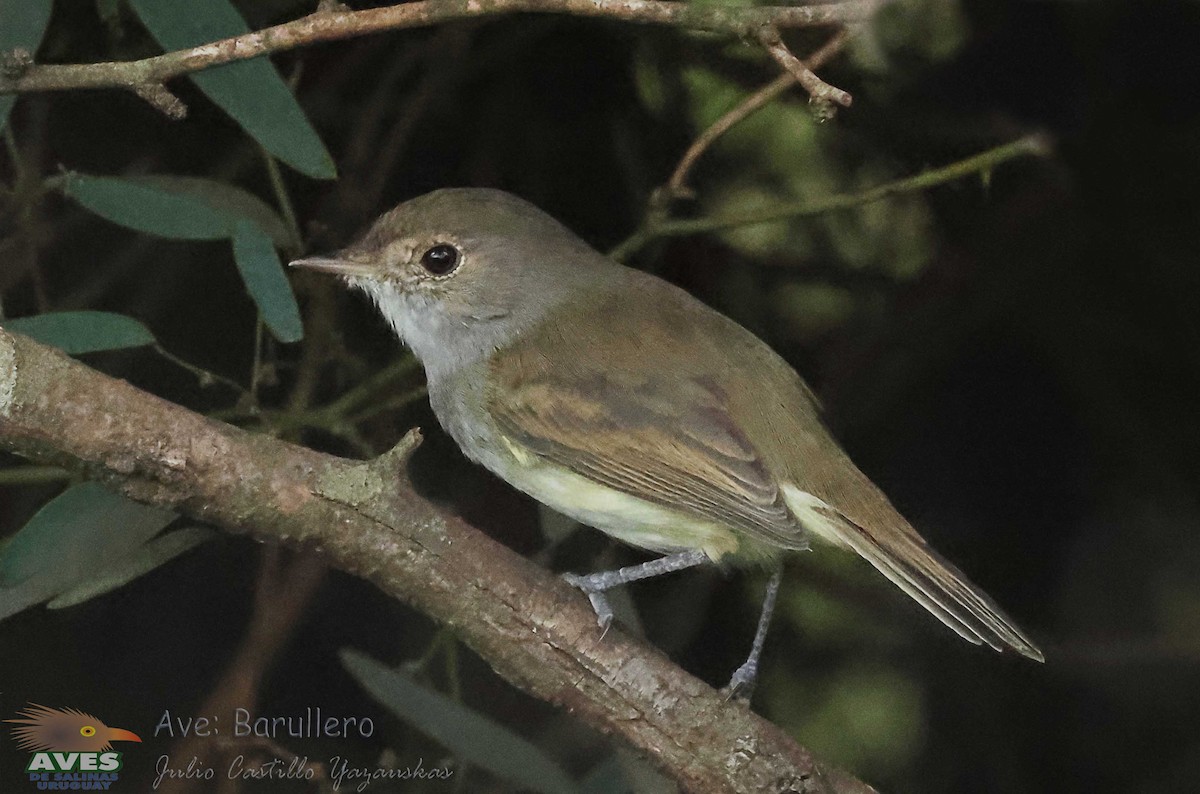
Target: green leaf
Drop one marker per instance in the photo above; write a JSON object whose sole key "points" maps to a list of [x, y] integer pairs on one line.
{"points": [[177, 207], [22, 25], [607, 777], [187, 208], [153, 554], [86, 525], [224, 198], [83, 332], [83, 529], [251, 92], [471, 736], [149, 209], [265, 280]]}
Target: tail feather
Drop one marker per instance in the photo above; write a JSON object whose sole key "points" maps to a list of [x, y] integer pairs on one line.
{"points": [[904, 558]]}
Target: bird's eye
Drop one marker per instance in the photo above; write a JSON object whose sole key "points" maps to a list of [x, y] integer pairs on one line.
{"points": [[87, 730], [440, 259]]}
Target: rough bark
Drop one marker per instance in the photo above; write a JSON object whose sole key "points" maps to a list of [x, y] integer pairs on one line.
{"points": [[534, 630]]}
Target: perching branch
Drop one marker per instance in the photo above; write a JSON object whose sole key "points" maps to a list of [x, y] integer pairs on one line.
{"points": [[331, 22], [533, 629]]}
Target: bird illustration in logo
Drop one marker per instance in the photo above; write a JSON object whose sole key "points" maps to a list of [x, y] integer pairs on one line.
{"points": [[45, 729]]}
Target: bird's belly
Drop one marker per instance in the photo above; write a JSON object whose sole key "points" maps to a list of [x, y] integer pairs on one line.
{"points": [[627, 518]]}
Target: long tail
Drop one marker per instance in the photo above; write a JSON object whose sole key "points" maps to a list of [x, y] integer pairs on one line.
{"points": [[901, 555]]}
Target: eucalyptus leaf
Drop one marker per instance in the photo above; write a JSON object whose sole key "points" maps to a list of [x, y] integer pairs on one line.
{"points": [[471, 736], [83, 528], [251, 92], [22, 25], [83, 332], [266, 282], [30, 593], [224, 198], [177, 207], [149, 208], [158, 551]]}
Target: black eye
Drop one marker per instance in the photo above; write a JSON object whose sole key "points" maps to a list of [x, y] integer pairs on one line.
{"points": [[441, 259]]}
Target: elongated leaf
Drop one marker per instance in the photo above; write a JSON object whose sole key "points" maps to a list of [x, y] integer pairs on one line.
{"points": [[251, 92], [470, 735], [177, 207], [265, 280], [30, 593], [158, 551], [225, 199], [83, 528], [83, 332], [150, 209], [22, 25]]}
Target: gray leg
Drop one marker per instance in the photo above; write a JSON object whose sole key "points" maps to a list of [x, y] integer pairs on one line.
{"points": [[741, 685], [594, 584]]}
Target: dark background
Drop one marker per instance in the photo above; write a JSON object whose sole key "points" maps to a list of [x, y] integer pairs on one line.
{"points": [[1014, 361]]}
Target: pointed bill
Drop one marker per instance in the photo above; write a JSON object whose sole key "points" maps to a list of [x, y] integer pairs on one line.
{"points": [[339, 267]]}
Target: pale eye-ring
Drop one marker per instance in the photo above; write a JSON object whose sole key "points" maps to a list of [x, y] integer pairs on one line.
{"points": [[441, 259], [87, 730]]}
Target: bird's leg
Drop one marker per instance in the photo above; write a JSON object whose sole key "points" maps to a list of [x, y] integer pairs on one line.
{"points": [[594, 584], [741, 685]]}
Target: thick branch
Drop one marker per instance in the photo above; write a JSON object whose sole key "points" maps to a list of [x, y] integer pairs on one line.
{"points": [[533, 629], [329, 25]]}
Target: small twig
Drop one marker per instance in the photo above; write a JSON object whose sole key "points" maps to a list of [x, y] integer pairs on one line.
{"points": [[33, 475], [204, 376], [821, 94], [257, 364], [352, 398], [14, 154], [1029, 146], [676, 186], [161, 99], [279, 188], [327, 23], [402, 400]]}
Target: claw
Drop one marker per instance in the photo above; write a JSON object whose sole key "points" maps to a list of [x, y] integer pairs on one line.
{"points": [[600, 605], [741, 683]]}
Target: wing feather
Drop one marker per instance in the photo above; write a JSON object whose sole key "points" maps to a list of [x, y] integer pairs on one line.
{"points": [[671, 442]]}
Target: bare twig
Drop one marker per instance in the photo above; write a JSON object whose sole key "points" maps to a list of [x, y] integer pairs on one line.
{"points": [[676, 186], [161, 99], [332, 22], [535, 630], [33, 475], [982, 163], [821, 94]]}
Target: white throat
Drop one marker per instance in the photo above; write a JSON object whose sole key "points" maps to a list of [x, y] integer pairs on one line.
{"points": [[444, 343]]}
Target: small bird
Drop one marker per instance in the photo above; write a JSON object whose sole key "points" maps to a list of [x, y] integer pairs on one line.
{"points": [[45, 729], [621, 401]]}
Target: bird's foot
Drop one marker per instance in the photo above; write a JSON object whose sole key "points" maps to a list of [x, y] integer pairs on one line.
{"points": [[741, 683], [593, 588]]}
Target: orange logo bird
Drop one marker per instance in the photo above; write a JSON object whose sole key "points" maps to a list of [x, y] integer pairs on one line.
{"points": [[45, 729]]}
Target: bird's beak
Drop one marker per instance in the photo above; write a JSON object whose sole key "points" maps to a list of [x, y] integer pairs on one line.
{"points": [[122, 735], [338, 267]]}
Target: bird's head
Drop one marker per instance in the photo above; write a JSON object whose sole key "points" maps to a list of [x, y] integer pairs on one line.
{"points": [[42, 729]]}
